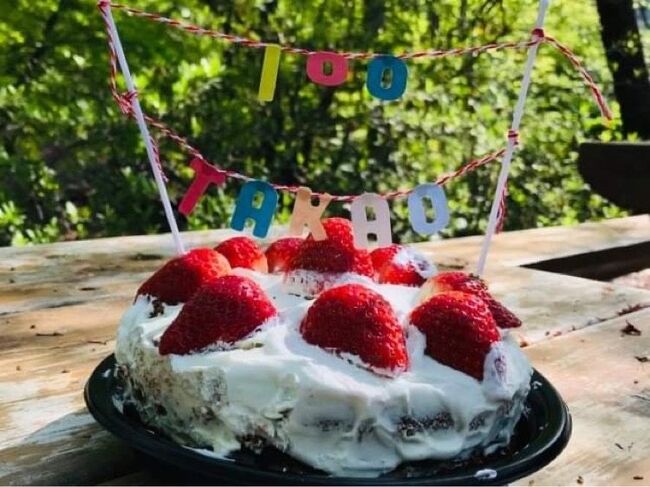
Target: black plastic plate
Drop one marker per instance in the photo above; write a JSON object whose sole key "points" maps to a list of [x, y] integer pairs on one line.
{"points": [[539, 437]]}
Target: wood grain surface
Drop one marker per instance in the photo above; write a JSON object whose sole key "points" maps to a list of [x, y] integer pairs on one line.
{"points": [[60, 305]]}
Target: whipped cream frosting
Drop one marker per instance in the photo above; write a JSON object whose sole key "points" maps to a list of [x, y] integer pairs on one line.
{"points": [[327, 410]]}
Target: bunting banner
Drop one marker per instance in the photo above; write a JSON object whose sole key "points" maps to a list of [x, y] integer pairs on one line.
{"points": [[329, 69]]}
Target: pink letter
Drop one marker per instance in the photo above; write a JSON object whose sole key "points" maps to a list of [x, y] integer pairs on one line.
{"points": [[206, 174], [316, 68]]}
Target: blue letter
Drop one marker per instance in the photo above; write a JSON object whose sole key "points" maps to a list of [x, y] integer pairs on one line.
{"points": [[263, 214], [376, 69], [417, 212]]}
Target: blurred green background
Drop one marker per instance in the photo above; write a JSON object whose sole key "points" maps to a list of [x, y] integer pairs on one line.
{"points": [[73, 167]]}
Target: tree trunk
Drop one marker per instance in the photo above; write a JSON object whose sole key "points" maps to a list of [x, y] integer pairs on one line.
{"points": [[624, 51]]}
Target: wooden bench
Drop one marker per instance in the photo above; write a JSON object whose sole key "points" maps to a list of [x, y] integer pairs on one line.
{"points": [[618, 171]]}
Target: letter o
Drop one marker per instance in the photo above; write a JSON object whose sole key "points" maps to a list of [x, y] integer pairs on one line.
{"points": [[376, 69], [316, 64], [417, 213]]}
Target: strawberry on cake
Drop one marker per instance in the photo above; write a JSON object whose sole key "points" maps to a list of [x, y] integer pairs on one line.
{"points": [[319, 263], [350, 361]]}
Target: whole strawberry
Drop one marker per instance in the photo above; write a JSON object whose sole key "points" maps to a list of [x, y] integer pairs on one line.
{"points": [[224, 310], [280, 253], [356, 320], [339, 230], [319, 263], [328, 256], [177, 280], [459, 330], [243, 252], [398, 264], [469, 283]]}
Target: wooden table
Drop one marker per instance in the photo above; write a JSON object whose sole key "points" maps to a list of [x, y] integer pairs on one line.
{"points": [[60, 305]]}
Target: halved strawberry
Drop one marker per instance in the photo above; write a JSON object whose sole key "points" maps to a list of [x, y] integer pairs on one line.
{"points": [[280, 253], [224, 310], [459, 330], [399, 264], [177, 280], [320, 263], [354, 319], [469, 283], [243, 252]]}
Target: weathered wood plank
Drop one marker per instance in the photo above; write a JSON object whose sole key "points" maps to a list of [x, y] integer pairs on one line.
{"points": [[31, 332], [554, 304], [30, 297], [73, 450], [528, 246], [607, 389]]}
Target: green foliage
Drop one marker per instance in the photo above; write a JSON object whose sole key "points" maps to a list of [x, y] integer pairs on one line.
{"points": [[73, 167]]}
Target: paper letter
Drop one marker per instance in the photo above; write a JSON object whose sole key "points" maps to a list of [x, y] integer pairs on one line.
{"points": [[376, 70], [269, 72], [205, 175], [417, 211], [262, 214], [316, 68], [304, 213], [380, 226]]}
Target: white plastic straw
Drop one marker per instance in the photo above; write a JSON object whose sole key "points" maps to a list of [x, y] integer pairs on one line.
{"points": [[510, 148], [144, 131]]}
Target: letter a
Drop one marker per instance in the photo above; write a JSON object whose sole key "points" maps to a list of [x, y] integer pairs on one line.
{"points": [[380, 226], [304, 213], [262, 214]]}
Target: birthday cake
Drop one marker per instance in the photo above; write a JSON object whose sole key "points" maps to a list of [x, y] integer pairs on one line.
{"points": [[350, 361]]}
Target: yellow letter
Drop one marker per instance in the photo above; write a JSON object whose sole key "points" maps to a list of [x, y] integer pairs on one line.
{"points": [[269, 72]]}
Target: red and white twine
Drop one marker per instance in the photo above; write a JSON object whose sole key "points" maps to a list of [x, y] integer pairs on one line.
{"points": [[538, 36]]}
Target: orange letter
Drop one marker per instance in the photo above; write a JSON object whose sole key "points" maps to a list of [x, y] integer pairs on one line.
{"points": [[304, 213]]}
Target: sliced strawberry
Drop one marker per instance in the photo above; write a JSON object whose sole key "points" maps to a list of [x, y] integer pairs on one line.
{"points": [[459, 329], [224, 310], [243, 252], [177, 280], [356, 320], [280, 253], [398, 264], [469, 283]]}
